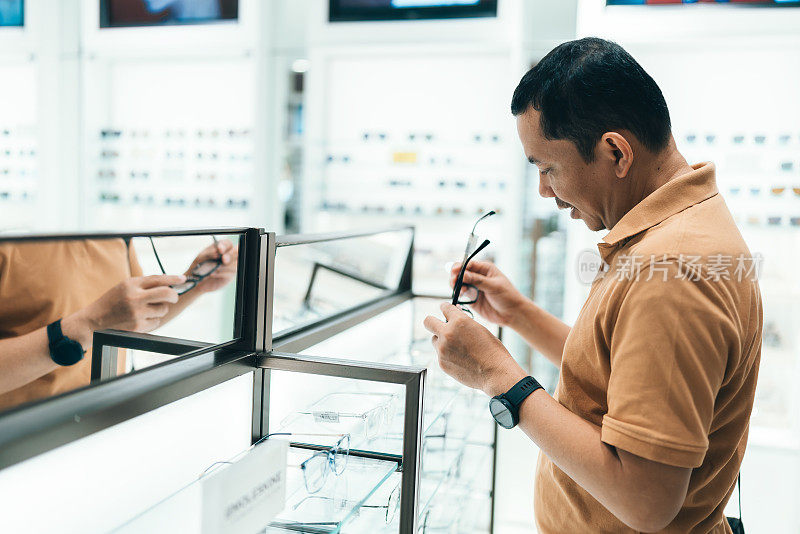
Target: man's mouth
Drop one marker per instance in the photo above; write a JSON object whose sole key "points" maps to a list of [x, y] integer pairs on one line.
{"points": [[563, 205], [574, 213]]}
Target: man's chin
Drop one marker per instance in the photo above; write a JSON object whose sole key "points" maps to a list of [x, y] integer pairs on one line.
{"points": [[594, 226]]}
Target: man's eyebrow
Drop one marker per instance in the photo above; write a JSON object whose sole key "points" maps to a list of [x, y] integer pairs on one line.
{"points": [[534, 161]]}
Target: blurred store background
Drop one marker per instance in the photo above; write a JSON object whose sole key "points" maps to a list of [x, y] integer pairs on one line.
{"points": [[319, 115]]}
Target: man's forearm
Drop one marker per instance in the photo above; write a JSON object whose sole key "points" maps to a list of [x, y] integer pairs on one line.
{"points": [[543, 331], [574, 445], [23, 359]]}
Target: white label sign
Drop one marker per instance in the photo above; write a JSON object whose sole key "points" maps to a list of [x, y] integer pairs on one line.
{"points": [[244, 497]]}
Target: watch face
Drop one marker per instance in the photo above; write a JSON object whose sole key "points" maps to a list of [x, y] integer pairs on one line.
{"points": [[501, 413]]}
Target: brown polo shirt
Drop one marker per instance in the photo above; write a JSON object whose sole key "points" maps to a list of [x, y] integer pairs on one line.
{"points": [[664, 355], [42, 281]]}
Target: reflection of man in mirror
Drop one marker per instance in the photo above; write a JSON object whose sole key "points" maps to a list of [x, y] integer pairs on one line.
{"points": [[51, 291]]}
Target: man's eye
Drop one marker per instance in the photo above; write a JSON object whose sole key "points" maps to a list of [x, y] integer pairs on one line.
{"points": [[545, 171]]}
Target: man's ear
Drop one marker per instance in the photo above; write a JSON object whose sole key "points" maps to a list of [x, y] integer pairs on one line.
{"points": [[616, 149]]}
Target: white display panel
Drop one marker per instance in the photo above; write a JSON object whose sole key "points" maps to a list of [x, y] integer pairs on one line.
{"points": [[99, 482], [170, 143], [19, 146], [407, 137]]}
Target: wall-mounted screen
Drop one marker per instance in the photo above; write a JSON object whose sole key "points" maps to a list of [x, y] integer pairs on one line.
{"points": [[12, 13], [124, 13], [362, 10], [794, 3]]}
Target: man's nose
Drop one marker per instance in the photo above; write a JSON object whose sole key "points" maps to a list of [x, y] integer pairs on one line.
{"points": [[544, 188]]}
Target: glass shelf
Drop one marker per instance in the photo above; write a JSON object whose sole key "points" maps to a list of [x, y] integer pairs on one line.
{"points": [[339, 500]]}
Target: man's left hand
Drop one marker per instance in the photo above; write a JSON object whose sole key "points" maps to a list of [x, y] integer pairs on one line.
{"points": [[228, 254], [471, 354]]}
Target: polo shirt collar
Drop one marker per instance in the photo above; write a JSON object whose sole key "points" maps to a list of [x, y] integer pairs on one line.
{"points": [[671, 198]]}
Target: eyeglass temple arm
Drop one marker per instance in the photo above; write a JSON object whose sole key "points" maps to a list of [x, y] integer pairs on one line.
{"points": [[157, 258], [482, 218], [460, 279]]}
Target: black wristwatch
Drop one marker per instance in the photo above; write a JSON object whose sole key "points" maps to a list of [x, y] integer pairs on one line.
{"points": [[505, 407], [63, 350]]}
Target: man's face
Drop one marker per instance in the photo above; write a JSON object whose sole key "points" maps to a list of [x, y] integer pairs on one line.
{"points": [[581, 187]]}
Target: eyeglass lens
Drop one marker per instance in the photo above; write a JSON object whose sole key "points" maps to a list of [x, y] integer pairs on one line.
{"points": [[315, 471], [340, 454]]}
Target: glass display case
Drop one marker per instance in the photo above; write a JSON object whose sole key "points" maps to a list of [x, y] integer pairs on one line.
{"points": [[379, 439]]}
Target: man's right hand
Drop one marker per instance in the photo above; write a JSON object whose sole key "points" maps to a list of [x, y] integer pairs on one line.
{"points": [[498, 301], [136, 304]]}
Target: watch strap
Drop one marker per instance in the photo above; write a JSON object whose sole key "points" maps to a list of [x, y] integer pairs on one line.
{"points": [[63, 350], [521, 390], [54, 335]]}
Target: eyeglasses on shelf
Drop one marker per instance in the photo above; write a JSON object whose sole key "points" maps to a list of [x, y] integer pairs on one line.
{"points": [[392, 505], [375, 419]]}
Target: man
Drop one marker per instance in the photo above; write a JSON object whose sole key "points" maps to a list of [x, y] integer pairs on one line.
{"points": [[84, 285], [648, 424]]}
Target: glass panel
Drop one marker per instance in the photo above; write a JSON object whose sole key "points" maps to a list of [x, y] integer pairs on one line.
{"points": [[92, 284], [458, 431], [97, 483], [317, 280]]}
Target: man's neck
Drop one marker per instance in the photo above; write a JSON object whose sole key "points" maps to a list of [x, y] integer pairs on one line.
{"points": [[649, 173]]}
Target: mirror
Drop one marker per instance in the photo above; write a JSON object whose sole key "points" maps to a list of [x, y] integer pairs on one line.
{"points": [[181, 285], [319, 277]]}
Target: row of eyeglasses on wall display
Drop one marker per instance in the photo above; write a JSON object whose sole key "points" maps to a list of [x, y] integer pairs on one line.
{"points": [[150, 200]]}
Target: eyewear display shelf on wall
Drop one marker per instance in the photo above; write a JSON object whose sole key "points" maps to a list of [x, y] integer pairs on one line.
{"points": [[380, 439]]}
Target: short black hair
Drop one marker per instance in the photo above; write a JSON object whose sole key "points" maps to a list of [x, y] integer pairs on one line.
{"points": [[590, 86]]}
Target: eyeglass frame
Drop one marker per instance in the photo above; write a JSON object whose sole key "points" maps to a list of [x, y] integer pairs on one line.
{"points": [[459, 285], [385, 406], [391, 510], [195, 278]]}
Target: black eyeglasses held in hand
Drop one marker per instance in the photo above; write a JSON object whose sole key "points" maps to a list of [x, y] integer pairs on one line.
{"points": [[200, 272], [457, 299]]}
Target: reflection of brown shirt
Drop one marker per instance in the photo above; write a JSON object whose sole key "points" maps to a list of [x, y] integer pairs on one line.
{"points": [[43, 281], [664, 356]]}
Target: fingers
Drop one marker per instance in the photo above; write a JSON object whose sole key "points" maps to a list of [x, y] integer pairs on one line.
{"points": [[477, 280], [228, 253], [157, 311], [450, 312], [475, 266], [157, 280], [223, 250], [433, 325], [160, 295], [148, 325]]}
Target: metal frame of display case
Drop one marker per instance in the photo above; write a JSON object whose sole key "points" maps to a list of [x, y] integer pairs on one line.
{"points": [[42, 426]]}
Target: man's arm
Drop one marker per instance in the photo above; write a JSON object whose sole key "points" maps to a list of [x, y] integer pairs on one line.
{"points": [[543, 331], [645, 495], [137, 304]]}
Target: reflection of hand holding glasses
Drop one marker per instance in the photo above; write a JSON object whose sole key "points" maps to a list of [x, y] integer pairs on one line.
{"points": [[471, 293], [200, 272]]}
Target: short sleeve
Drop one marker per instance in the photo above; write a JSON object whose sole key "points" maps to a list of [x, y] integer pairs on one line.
{"points": [[669, 349]]}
